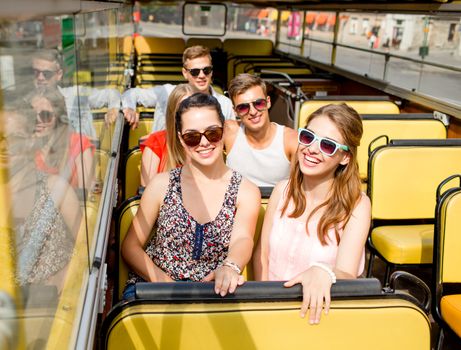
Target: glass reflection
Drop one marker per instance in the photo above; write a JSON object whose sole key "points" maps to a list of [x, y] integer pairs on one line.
{"points": [[46, 210]]}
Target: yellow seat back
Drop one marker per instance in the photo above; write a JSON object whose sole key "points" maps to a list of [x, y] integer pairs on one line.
{"points": [[144, 128], [104, 133], [147, 45], [132, 179], [450, 239], [125, 214], [383, 323], [397, 128], [250, 47], [403, 179], [362, 107]]}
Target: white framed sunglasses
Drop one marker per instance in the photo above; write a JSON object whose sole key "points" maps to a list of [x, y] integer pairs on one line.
{"points": [[327, 146]]}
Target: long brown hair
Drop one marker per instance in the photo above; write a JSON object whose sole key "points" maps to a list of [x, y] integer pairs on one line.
{"points": [[346, 188], [175, 152]]}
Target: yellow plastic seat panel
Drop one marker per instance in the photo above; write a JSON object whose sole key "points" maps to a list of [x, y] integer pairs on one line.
{"points": [[450, 306], [125, 219], [403, 180], [406, 244], [362, 107], [379, 324], [144, 128], [148, 45], [396, 129], [133, 173], [451, 227], [250, 47]]}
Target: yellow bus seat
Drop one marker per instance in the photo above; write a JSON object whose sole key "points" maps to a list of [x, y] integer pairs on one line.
{"points": [[146, 45], [263, 315], [132, 175], [397, 126], [211, 43], [378, 106], [447, 258], [125, 215], [144, 128], [248, 47], [402, 180], [103, 133]]}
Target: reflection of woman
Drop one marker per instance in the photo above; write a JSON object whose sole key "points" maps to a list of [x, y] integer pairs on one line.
{"points": [[162, 151], [62, 150], [317, 222], [205, 212], [45, 208]]}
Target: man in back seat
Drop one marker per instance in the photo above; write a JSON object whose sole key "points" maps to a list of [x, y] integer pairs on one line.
{"points": [[197, 70], [257, 148]]}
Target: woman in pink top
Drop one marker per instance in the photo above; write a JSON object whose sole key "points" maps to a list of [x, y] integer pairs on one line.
{"points": [[317, 221]]}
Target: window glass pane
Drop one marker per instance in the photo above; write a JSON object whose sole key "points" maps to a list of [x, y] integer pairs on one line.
{"points": [[249, 22], [201, 19], [60, 75]]}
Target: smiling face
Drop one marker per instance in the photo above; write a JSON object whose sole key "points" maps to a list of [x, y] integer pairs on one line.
{"points": [[202, 119], [47, 74], [256, 118], [200, 83], [312, 162], [46, 117]]}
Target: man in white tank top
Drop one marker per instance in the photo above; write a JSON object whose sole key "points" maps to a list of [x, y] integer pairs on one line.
{"points": [[257, 148]]}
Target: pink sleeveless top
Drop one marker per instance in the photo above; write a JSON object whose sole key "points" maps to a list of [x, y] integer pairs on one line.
{"points": [[292, 250]]}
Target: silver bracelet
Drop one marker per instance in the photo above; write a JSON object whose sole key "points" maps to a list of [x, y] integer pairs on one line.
{"points": [[232, 265], [326, 268]]}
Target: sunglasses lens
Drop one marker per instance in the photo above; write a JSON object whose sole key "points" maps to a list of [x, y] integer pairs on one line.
{"points": [[306, 137], [207, 70], [242, 109], [213, 135], [47, 74], [192, 138], [195, 72], [46, 116], [260, 104], [327, 147]]}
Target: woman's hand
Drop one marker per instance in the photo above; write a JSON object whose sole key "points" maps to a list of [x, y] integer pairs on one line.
{"points": [[316, 284], [226, 280]]}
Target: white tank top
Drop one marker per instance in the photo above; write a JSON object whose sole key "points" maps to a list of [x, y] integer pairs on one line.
{"points": [[263, 167]]}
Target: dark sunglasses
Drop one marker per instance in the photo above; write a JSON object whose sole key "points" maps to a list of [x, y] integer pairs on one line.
{"points": [[326, 146], [244, 108], [195, 72], [47, 74], [45, 116], [212, 134]]}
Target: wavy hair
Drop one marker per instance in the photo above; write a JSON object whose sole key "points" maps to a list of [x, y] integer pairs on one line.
{"points": [[346, 188], [175, 153]]}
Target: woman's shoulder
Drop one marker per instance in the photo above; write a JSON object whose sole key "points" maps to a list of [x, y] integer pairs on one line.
{"points": [[363, 205]]}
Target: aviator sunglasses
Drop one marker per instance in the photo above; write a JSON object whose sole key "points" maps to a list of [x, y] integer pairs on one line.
{"points": [[326, 146], [47, 74], [212, 134], [195, 72], [243, 109]]}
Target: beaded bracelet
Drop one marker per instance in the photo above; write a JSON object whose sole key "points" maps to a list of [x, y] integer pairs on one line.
{"points": [[232, 265], [326, 268]]}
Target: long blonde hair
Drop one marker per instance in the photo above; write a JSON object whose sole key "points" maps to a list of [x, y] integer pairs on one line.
{"points": [[175, 152], [346, 188]]}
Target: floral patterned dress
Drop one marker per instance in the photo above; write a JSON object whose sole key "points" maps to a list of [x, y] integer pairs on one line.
{"points": [[183, 248]]}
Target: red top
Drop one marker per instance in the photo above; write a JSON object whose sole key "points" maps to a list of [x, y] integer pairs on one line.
{"points": [[74, 152], [157, 143]]}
